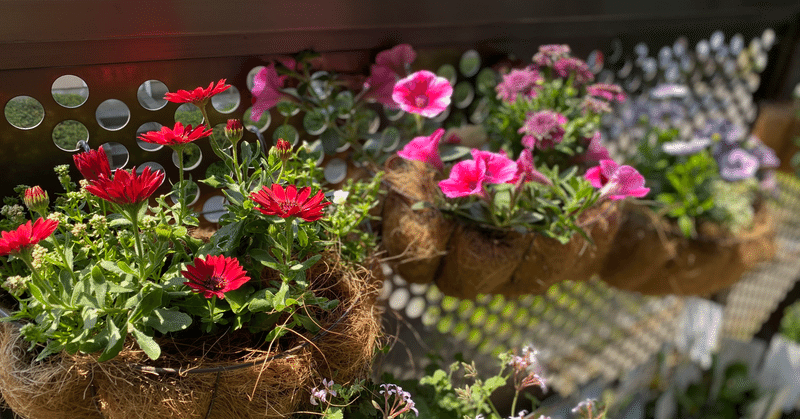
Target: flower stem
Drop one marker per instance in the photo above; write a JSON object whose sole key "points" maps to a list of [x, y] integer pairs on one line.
{"points": [[134, 216], [514, 403], [60, 251], [418, 120], [212, 303], [289, 234], [181, 187]]}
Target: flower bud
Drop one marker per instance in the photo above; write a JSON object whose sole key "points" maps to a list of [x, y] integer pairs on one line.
{"points": [[36, 199], [283, 149], [234, 131]]}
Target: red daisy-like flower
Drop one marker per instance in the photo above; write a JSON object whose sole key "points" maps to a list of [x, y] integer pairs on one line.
{"points": [[26, 236], [127, 187], [177, 136], [197, 95], [215, 275], [290, 202], [92, 164]]}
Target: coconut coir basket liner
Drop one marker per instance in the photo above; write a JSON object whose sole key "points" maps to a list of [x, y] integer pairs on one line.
{"points": [[651, 256], [465, 260], [208, 379]]}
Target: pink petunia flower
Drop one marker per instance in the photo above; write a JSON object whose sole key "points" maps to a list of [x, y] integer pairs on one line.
{"points": [[398, 59], [524, 82], [466, 178], [543, 129], [526, 171], [596, 151], [423, 93], [380, 85], [425, 149], [499, 168], [615, 181], [267, 86]]}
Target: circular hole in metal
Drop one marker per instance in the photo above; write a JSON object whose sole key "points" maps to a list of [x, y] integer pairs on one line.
{"points": [[335, 170], [625, 71], [398, 299], [117, 154], [367, 121], [736, 45], [703, 50], [219, 138], [595, 61], [217, 169], [192, 191], [390, 139], [192, 156], [148, 127], [315, 150], [641, 49], [67, 135], [615, 51], [287, 108], [69, 91], [664, 55], [226, 101], [415, 307], [262, 123], [442, 116], [480, 111], [112, 114], [681, 46], [649, 68], [393, 114], [315, 122], [151, 95], [189, 114], [154, 167], [470, 63], [768, 38], [288, 133], [24, 112], [214, 208], [717, 40], [463, 93], [447, 71]]}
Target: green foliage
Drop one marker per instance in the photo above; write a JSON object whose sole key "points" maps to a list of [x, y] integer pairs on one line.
{"points": [[24, 112], [790, 323]]}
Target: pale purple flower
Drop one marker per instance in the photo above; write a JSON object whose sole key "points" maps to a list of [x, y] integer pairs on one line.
{"points": [[543, 129], [609, 92], [765, 154], [402, 402], [737, 164], [685, 148], [666, 113], [425, 149], [526, 171], [595, 105], [499, 168], [669, 91], [724, 130], [524, 82], [321, 394], [549, 54], [585, 405], [616, 182], [565, 67], [527, 370], [521, 414]]}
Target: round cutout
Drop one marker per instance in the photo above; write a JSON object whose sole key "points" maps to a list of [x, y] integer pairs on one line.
{"points": [[151, 95], [148, 127], [192, 192], [154, 167], [214, 208], [192, 156], [189, 114], [24, 112], [262, 123], [112, 114], [67, 135], [470, 63], [117, 155], [69, 91], [226, 101]]}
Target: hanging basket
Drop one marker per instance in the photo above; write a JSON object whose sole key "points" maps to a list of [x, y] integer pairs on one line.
{"points": [[212, 377], [651, 256], [465, 260]]}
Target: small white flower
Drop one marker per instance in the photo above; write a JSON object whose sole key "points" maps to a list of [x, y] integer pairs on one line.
{"points": [[340, 197]]}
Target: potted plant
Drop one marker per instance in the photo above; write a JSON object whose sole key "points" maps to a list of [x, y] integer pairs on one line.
{"points": [[707, 220], [120, 312], [515, 218]]}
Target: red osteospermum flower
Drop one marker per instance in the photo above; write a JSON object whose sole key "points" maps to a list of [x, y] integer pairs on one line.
{"points": [[290, 202], [197, 95], [127, 187], [177, 136], [26, 236], [215, 275], [92, 164]]}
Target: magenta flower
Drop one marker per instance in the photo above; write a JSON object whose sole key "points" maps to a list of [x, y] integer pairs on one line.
{"points": [[499, 168], [423, 93], [466, 178], [615, 181], [267, 86], [564, 67], [380, 85], [398, 59], [595, 106], [523, 82], [549, 54], [609, 92], [526, 171], [596, 151], [543, 129], [425, 149]]}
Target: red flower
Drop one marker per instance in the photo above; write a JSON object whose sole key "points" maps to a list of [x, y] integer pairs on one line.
{"points": [[26, 236], [290, 202], [92, 164], [176, 136], [423, 93], [215, 275], [197, 95], [234, 130], [126, 187]]}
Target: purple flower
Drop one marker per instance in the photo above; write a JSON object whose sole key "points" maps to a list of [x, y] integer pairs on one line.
{"points": [[543, 129], [565, 67], [765, 154], [549, 54], [402, 401], [523, 82], [321, 394], [685, 148], [737, 164], [669, 91], [723, 130], [666, 113]]}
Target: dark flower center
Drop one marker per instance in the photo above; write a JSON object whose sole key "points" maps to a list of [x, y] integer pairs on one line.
{"points": [[421, 101], [215, 283]]}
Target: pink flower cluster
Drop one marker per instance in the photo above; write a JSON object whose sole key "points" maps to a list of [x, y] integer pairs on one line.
{"points": [[543, 129], [549, 54], [576, 67], [616, 182], [525, 82], [609, 92]]}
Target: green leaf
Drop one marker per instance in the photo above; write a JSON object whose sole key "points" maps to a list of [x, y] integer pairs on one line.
{"points": [[260, 301], [168, 320], [302, 237], [116, 340], [279, 300], [453, 152], [686, 225], [307, 322], [238, 298], [150, 301], [118, 220], [147, 344], [262, 256], [99, 285]]}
